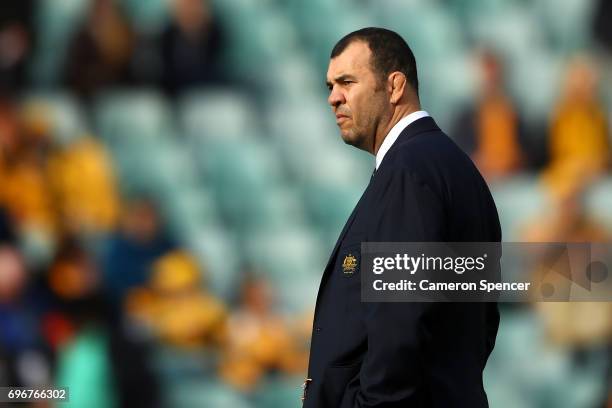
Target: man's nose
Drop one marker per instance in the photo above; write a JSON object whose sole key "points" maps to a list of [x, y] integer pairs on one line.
{"points": [[336, 98]]}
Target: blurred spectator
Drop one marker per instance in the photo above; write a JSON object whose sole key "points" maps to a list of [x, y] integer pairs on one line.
{"points": [[74, 282], [190, 46], [20, 338], [78, 170], [572, 324], [16, 43], [84, 366], [259, 340], [602, 26], [84, 186], [99, 55], [13, 277], [7, 231], [24, 188], [176, 306], [74, 275], [9, 130], [101, 362], [131, 251], [578, 144], [566, 219], [48, 188], [490, 131]]}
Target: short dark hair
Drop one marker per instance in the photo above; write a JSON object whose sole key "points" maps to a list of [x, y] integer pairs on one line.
{"points": [[389, 53]]}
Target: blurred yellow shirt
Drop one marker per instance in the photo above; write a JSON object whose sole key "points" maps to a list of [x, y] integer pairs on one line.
{"points": [[498, 151], [579, 146], [24, 193], [83, 183]]}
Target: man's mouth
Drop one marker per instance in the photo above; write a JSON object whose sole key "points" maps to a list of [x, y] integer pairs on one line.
{"points": [[340, 118]]}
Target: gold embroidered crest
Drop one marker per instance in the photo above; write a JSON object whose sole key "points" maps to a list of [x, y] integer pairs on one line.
{"points": [[349, 264]]}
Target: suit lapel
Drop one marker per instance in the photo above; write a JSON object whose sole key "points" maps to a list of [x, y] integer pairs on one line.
{"points": [[348, 224], [332, 258]]}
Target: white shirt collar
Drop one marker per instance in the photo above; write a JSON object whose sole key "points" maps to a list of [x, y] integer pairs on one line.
{"points": [[395, 132]]}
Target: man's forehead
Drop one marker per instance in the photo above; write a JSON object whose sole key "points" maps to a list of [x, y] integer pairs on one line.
{"points": [[353, 60]]}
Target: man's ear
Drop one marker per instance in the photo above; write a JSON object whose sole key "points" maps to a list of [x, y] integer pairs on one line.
{"points": [[396, 86]]}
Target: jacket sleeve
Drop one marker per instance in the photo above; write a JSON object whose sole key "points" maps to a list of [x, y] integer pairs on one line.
{"points": [[415, 350]]}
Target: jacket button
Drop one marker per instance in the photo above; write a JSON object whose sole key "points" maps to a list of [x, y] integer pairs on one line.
{"points": [[318, 329]]}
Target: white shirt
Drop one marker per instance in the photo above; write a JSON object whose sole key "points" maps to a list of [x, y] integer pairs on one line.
{"points": [[395, 132]]}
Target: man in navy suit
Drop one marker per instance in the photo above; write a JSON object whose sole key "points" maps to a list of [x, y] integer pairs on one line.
{"points": [[424, 189]]}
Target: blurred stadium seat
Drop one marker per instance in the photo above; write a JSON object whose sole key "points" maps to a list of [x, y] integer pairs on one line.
{"points": [[56, 21], [599, 201], [132, 116], [220, 258], [205, 394], [217, 114], [519, 201]]}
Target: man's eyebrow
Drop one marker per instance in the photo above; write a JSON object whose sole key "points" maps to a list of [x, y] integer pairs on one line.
{"points": [[341, 78]]}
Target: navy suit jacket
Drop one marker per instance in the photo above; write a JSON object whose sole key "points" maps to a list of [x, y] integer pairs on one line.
{"points": [[408, 355]]}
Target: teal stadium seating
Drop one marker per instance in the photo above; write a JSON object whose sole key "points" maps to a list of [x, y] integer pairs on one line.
{"points": [[123, 116], [56, 21], [519, 201], [200, 393], [220, 258], [525, 370], [599, 202]]}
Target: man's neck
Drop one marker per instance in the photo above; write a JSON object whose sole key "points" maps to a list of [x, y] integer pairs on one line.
{"points": [[396, 116]]}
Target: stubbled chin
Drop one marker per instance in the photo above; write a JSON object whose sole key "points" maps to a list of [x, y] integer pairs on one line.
{"points": [[345, 130], [347, 137]]}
